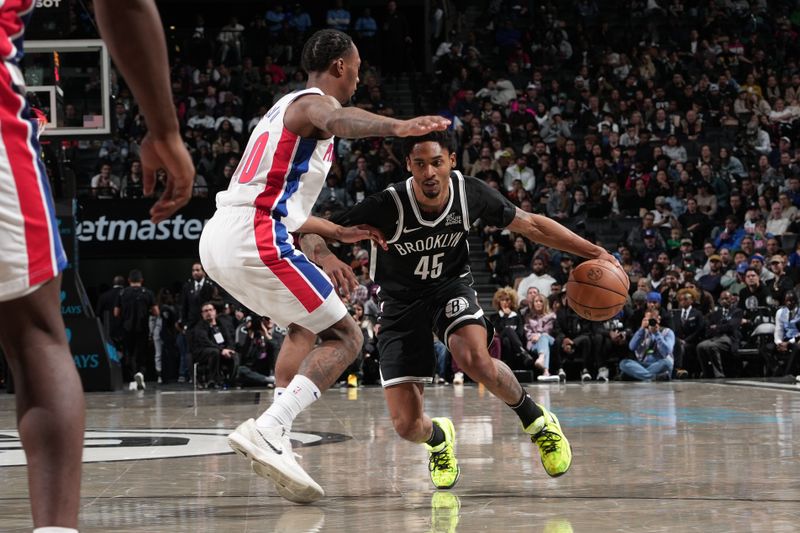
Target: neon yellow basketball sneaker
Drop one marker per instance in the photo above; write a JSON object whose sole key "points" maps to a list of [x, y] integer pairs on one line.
{"points": [[553, 445], [442, 461]]}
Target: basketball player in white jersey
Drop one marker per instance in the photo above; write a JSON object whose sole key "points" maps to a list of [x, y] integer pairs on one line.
{"points": [[248, 249], [50, 408]]}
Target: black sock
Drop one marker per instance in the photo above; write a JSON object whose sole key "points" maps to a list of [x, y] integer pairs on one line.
{"points": [[437, 436], [526, 410]]}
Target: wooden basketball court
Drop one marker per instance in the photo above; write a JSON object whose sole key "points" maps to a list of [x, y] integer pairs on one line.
{"points": [[700, 456]]}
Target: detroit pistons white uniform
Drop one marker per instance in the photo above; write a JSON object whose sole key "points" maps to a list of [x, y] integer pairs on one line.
{"points": [[30, 248], [247, 245]]}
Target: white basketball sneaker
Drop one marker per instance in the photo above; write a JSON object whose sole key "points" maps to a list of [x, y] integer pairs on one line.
{"points": [[270, 451]]}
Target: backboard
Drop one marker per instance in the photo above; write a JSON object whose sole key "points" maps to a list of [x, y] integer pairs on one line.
{"points": [[71, 83]]}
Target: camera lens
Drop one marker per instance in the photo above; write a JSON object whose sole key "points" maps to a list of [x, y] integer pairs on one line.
{"points": [[652, 322]]}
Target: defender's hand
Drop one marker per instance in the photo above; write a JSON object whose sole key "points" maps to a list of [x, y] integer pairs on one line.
{"points": [[421, 126], [170, 154]]}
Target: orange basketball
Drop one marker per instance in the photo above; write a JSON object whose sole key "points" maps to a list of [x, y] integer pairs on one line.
{"points": [[597, 290]]}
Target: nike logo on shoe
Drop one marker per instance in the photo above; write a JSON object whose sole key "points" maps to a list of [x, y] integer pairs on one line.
{"points": [[274, 449]]}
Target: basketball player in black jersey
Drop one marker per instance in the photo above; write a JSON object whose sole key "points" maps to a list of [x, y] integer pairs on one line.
{"points": [[425, 285]]}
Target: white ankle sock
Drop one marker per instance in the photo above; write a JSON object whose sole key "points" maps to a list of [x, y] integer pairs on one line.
{"points": [[299, 394], [54, 530], [278, 392]]}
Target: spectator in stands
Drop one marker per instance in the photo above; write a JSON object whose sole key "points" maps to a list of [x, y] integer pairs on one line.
{"points": [[539, 278], [132, 184], [230, 39], [711, 281], [104, 184], [753, 296], [689, 326], [757, 263], [522, 172], [538, 334], [777, 224], [367, 177], [197, 290], [697, 224], [332, 197], [510, 328], [235, 122], [201, 119], [338, 18], [212, 346], [635, 239], [785, 337], [652, 346], [731, 236], [573, 342], [514, 264], [722, 337], [782, 282]]}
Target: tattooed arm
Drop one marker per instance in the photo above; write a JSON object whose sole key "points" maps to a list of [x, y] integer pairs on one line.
{"points": [[322, 116]]}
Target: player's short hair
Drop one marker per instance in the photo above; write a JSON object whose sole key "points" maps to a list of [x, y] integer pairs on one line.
{"points": [[324, 47], [443, 138]]}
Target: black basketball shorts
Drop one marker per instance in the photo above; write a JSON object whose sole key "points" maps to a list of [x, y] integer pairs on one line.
{"points": [[405, 341]]}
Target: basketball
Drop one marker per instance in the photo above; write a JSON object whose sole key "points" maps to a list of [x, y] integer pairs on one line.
{"points": [[597, 290]]}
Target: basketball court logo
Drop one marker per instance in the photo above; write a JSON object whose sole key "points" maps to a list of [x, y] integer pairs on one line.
{"points": [[138, 444], [456, 306], [594, 274]]}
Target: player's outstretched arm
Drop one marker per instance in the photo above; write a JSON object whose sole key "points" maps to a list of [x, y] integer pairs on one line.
{"points": [[352, 122], [133, 32], [330, 230], [550, 233]]}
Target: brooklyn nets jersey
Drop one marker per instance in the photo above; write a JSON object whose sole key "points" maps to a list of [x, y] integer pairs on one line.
{"points": [[426, 252]]}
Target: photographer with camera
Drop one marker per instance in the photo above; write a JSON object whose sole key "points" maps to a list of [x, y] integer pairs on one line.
{"points": [[652, 347], [259, 349]]}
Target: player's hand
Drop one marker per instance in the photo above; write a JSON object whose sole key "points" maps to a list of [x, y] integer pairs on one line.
{"points": [[605, 256], [342, 276], [421, 126], [362, 232], [170, 154]]}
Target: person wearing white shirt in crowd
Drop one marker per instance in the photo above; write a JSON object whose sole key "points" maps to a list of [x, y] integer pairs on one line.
{"points": [[235, 121], [201, 119], [777, 224], [520, 171], [539, 279]]}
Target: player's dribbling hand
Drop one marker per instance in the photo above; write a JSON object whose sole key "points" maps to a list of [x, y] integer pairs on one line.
{"points": [[362, 232], [605, 256], [421, 126], [342, 275], [170, 154]]}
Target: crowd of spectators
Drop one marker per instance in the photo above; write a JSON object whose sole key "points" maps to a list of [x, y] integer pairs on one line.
{"points": [[666, 130]]}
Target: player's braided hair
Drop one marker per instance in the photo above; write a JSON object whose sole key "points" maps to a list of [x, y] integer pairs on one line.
{"points": [[322, 48]]}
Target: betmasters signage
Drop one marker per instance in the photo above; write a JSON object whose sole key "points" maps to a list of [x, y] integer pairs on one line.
{"points": [[122, 228]]}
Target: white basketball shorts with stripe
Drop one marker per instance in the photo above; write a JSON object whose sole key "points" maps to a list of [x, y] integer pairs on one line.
{"points": [[30, 247], [252, 256]]}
